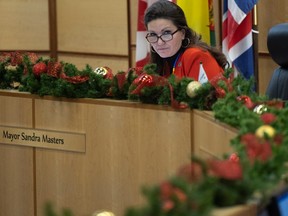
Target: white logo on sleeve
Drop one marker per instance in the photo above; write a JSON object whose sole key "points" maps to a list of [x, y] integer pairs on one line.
{"points": [[202, 78]]}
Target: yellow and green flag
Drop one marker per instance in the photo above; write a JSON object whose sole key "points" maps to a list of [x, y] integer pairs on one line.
{"points": [[199, 15]]}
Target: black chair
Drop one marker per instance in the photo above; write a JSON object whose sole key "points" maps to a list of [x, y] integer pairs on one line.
{"points": [[277, 43]]}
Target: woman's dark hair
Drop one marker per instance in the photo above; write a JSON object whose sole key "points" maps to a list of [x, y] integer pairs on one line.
{"points": [[171, 11]]}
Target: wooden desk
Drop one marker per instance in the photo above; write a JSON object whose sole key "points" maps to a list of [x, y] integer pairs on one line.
{"points": [[127, 145]]}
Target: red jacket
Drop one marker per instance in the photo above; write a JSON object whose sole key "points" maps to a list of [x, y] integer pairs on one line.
{"points": [[188, 64]]}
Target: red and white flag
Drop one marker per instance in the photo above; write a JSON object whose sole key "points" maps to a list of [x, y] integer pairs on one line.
{"points": [[142, 47]]}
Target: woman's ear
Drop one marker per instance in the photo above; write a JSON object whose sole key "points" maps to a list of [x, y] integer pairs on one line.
{"points": [[183, 33]]}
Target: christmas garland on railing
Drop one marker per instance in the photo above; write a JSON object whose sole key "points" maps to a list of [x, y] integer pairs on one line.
{"points": [[257, 165], [30, 73]]}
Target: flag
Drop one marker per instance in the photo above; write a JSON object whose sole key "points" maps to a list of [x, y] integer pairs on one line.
{"points": [[211, 24], [237, 41], [197, 15], [142, 47]]}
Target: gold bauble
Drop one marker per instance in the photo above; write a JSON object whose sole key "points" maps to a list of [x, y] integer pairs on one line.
{"points": [[265, 129], [192, 87], [11, 67], [103, 213]]}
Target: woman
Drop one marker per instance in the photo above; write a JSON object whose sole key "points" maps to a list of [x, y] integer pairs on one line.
{"points": [[177, 49]]}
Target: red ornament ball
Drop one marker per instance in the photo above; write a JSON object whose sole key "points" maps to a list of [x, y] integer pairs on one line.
{"points": [[39, 68]]}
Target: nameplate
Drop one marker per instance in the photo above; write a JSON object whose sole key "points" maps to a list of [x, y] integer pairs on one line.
{"points": [[67, 141]]}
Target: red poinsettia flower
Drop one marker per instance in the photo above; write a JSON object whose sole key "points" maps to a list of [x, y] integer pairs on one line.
{"points": [[278, 139], [192, 172], [226, 169], [234, 157], [166, 190], [180, 195], [168, 205], [268, 118], [256, 148]]}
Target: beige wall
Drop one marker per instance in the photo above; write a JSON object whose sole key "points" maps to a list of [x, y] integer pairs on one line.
{"points": [[103, 33]]}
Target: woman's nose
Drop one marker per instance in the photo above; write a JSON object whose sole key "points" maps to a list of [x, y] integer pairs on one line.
{"points": [[160, 41]]}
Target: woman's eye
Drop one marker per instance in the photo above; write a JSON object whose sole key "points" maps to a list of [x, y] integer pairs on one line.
{"points": [[166, 32], [151, 34]]}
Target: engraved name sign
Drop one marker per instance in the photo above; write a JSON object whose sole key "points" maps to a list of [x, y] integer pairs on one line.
{"points": [[43, 138]]}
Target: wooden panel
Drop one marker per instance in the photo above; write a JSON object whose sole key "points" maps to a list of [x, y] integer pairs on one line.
{"points": [[240, 210], [127, 146], [266, 69], [133, 57], [16, 188], [116, 64], [15, 111], [210, 138], [24, 25], [133, 19], [16, 163], [93, 26], [270, 13]]}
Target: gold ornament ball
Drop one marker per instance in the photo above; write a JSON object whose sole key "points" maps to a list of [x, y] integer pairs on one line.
{"points": [[265, 129], [103, 213], [192, 87]]}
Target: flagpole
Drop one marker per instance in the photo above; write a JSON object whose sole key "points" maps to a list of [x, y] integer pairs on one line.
{"points": [[255, 46]]}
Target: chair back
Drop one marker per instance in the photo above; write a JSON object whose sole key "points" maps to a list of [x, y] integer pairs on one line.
{"points": [[277, 44]]}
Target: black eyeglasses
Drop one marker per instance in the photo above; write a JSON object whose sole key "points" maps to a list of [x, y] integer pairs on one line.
{"points": [[166, 36]]}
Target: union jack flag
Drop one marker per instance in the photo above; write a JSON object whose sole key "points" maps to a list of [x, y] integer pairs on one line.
{"points": [[237, 30]]}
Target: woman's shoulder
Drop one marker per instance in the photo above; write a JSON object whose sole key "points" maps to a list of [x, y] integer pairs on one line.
{"points": [[195, 51]]}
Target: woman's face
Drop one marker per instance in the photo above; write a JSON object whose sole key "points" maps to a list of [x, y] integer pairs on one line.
{"points": [[163, 26]]}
